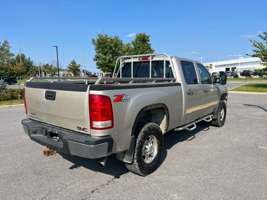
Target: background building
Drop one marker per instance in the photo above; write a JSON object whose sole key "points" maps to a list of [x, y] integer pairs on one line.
{"points": [[238, 65]]}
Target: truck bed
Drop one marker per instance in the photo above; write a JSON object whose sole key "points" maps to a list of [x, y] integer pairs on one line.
{"points": [[64, 102]]}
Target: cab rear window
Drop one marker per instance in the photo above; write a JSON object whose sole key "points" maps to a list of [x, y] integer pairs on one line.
{"points": [[141, 69]]}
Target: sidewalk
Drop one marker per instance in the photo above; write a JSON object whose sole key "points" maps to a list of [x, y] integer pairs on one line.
{"points": [[10, 106]]}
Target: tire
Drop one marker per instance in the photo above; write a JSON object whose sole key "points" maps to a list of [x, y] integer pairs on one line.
{"points": [[220, 115], [142, 163]]}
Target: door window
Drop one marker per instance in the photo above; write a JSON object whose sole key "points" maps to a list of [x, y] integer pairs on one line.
{"points": [[204, 74], [189, 72]]}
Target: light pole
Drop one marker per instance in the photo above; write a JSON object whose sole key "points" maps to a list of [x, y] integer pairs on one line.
{"points": [[57, 59]]}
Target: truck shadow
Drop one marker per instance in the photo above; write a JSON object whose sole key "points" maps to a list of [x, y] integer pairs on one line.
{"points": [[113, 166], [116, 168], [174, 137]]}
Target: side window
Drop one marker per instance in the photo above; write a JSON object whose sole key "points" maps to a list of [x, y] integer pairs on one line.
{"points": [[189, 72], [204, 74]]}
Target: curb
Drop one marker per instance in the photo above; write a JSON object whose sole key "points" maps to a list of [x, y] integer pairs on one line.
{"points": [[11, 106], [239, 92]]}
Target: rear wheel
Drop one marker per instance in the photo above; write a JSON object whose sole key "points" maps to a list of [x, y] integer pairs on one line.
{"points": [[220, 116], [148, 150]]}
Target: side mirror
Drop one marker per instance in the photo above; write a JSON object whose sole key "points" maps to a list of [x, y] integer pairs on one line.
{"points": [[220, 78], [215, 78], [223, 78]]}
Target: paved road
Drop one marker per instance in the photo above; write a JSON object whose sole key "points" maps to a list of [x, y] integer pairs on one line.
{"points": [[220, 163]]}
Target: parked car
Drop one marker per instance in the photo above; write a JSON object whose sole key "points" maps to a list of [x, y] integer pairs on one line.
{"points": [[235, 74], [228, 73], [126, 115], [247, 73], [9, 80]]}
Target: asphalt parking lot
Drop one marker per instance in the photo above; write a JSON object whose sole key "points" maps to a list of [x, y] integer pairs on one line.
{"points": [[217, 163]]}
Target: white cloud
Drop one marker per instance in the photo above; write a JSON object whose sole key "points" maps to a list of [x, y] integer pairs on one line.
{"points": [[131, 35], [247, 36], [194, 52]]}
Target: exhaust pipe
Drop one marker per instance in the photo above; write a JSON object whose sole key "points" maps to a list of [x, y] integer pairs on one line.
{"points": [[103, 162]]}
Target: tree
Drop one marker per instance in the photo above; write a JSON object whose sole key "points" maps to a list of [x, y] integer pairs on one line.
{"points": [[260, 47], [21, 65], [109, 48], [141, 44], [5, 58], [49, 69], [74, 68]]}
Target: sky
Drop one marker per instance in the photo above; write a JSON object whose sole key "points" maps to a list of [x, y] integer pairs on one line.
{"points": [[201, 30]]}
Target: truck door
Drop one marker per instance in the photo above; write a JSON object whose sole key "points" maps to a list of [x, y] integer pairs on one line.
{"points": [[192, 91], [209, 97]]}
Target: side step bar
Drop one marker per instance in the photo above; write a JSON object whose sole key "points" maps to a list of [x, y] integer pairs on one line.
{"points": [[192, 126]]}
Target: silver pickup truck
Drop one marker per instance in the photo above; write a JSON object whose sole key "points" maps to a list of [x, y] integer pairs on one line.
{"points": [[127, 114]]}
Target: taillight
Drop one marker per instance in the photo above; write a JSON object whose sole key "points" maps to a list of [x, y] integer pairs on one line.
{"points": [[101, 114], [25, 102]]}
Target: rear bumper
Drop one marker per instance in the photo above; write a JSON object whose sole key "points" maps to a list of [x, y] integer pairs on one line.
{"points": [[67, 141]]}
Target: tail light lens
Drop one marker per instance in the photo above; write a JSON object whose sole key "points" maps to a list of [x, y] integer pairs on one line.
{"points": [[101, 114], [25, 102]]}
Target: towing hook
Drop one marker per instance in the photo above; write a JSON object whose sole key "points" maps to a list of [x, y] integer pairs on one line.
{"points": [[48, 151]]}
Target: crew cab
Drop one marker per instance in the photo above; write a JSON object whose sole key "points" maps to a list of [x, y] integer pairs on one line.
{"points": [[126, 114]]}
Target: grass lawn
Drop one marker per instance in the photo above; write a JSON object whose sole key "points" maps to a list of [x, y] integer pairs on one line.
{"points": [[261, 80], [11, 102], [252, 88], [22, 81]]}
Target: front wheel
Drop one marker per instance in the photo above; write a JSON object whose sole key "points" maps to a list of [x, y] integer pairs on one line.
{"points": [[220, 115], [148, 150]]}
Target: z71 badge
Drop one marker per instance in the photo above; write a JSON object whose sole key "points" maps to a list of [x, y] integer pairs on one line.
{"points": [[118, 98]]}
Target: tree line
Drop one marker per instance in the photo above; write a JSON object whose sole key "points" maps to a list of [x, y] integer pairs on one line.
{"points": [[21, 66], [107, 50]]}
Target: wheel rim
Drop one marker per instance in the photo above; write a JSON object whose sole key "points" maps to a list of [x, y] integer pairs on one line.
{"points": [[222, 114], [150, 149]]}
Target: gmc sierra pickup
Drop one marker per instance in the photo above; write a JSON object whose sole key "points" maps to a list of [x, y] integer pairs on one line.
{"points": [[127, 114]]}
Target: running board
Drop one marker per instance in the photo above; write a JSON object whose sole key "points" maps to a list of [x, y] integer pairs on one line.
{"points": [[208, 119], [192, 126]]}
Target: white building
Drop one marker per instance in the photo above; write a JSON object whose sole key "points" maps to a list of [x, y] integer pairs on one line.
{"points": [[239, 64]]}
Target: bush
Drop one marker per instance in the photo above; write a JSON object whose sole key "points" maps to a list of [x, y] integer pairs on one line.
{"points": [[11, 94]]}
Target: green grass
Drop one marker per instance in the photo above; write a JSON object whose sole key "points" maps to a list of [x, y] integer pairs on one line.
{"points": [[22, 81], [261, 80], [252, 88], [11, 102]]}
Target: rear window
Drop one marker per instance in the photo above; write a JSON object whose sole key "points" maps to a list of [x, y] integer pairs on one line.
{"points": [[141, 69]]}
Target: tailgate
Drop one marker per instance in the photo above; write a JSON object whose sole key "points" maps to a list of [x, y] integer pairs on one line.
{"points": [[62, 105]]}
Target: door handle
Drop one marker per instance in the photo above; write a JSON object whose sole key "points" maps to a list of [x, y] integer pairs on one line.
{"points": [[190, 92]]}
